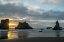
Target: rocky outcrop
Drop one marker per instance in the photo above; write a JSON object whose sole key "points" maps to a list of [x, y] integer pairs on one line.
{"points": [[57, 27], [23, 25], [4, 24]]}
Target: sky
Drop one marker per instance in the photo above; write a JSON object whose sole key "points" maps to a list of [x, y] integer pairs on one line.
{"points": [[37, 13]]}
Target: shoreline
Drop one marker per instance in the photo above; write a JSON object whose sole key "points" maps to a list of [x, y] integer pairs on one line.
{"points": [[35, 39]]}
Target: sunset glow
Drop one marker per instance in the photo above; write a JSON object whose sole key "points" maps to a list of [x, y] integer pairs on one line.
{"points": [[12, 35], [12, 24]]}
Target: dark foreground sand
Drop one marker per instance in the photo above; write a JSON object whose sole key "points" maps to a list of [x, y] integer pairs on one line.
{"points": [[36, 39]]}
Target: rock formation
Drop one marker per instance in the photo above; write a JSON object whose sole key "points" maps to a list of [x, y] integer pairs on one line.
{"points": [[4, 24], [23, 25], [57, 27]]}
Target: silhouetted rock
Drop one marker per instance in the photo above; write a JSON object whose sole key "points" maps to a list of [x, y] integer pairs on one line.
{"points": [[23, 25], [57, 27], [49, 27], [4, 24], [40, 31], [4, 37]]}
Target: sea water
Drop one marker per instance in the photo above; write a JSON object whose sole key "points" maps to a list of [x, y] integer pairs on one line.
{"points": [[13, 34]]}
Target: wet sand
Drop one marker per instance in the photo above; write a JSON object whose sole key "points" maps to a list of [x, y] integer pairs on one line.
{"points": [[36, 39]]}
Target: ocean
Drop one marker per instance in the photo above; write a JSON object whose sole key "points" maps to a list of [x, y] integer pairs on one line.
{"points": [[38, 32]]}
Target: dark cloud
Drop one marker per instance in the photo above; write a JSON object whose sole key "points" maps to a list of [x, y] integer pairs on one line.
{"points": [[13, 11], [22, 11]]}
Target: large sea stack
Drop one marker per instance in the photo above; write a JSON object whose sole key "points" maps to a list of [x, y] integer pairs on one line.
{"points": [[57, 27], [4, 24], [23, 25]]}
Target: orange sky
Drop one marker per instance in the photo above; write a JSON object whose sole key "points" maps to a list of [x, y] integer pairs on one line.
{"points": [[12, 24]]}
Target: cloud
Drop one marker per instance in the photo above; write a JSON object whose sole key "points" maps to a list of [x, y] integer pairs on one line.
{"points": [[57, 1], [9, 1], [52, 7], [43, 1], [22, 13], [52, 1], [36, 7]]}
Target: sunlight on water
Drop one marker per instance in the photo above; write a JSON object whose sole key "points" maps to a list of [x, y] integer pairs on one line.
{"points": [[12, 34]]}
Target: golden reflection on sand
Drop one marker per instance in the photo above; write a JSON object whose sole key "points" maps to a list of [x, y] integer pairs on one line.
{"points": [[12, 34]]}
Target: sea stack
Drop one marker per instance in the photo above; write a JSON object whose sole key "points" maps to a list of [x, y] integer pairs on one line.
{"points": [[23, 25], [4, 24], [57, 27]]}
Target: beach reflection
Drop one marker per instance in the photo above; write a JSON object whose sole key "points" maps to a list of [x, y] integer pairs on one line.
{"points": [[17, 34], [3, 34], [12, 35], [23, 34], [57, 33]]}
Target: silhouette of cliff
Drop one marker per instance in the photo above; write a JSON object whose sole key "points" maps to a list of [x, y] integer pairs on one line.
{"points": [[23, 25], [57, 27], [4, 24]]}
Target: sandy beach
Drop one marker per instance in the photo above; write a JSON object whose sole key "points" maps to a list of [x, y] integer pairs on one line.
{"points": [[36, 39]]}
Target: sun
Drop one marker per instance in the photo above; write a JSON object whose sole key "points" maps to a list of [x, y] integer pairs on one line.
{"points": [[12, 25]]}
